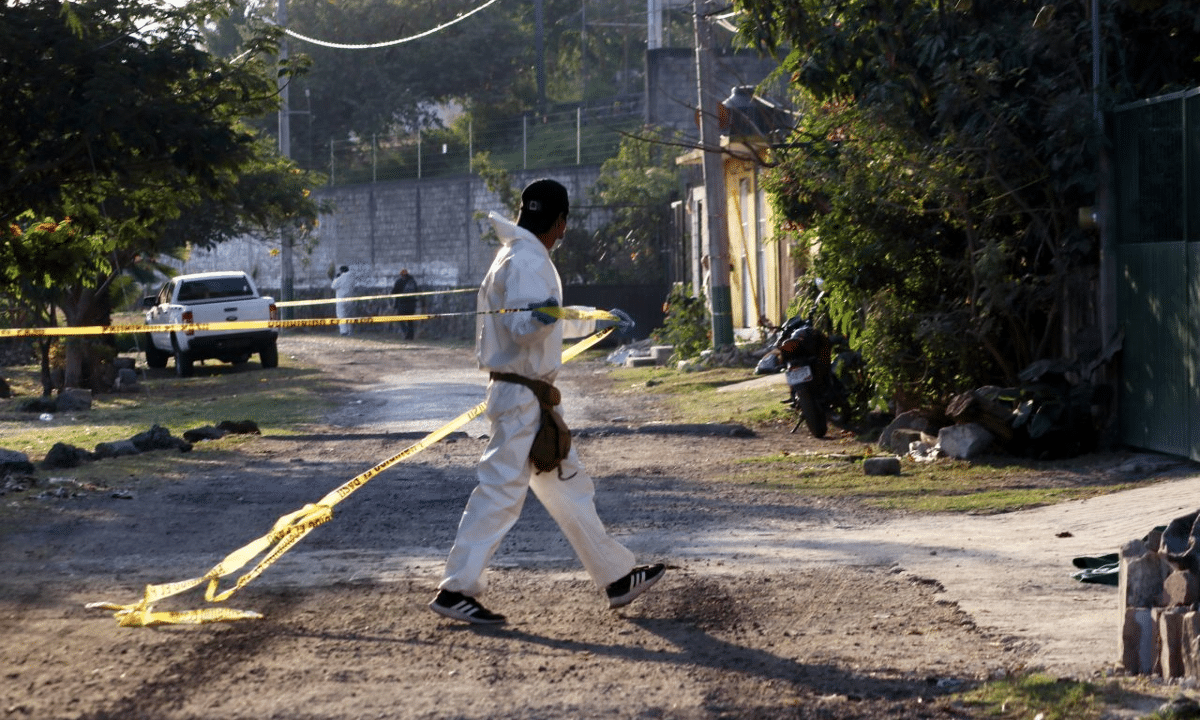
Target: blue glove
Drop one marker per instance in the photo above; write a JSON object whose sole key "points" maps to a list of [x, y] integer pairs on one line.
{"points": [[624, 323], [542, 317]]}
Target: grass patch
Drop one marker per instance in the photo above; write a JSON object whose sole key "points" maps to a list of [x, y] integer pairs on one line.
{"points": [[694, 397], [993, 484], [278, 400], [1000, 485], [1041, 696]]}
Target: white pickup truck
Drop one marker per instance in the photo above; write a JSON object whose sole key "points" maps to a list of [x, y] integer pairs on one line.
{"points": [[211, 297]]}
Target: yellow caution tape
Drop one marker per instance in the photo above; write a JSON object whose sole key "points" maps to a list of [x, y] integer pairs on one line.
{"points": [[565, 313], [286, 532], [326, 301]]}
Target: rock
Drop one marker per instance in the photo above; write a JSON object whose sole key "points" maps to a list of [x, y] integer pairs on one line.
{"points": [[911, 420], [42, 404], [13, 462], [903, 439], [116, 449], [1181, 587], [63, 455], [127, 380], [158, 438], [207, 432], [239, 427], [964, 441], [74, 399], [1181, 707], [881, 466]]}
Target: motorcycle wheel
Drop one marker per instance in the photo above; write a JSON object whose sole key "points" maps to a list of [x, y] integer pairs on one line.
{"points": [[814, 416]]}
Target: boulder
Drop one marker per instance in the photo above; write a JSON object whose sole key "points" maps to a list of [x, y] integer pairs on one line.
{"points": [[159, 438], [964, 441], [911, 420], [13, 462], [127, 380], [63, 455], [74, 399], [115, 449], [239, 427], [207, 432]]}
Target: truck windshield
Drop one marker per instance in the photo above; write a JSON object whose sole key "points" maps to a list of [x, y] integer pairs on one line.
{"points": [[214, 288]]}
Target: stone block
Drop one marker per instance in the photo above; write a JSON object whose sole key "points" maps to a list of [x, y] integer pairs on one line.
{"points": [[1181, 587], [1170, 642], [1136, 643], [1141, 576], [661, 353], [1190, 641], [881, 466]]}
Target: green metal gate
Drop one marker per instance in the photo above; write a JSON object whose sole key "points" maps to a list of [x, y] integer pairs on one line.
{"points": [[1157, 230]]}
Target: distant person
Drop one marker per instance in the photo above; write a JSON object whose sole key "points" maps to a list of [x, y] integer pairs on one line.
{"points": [[406, 305], [523, 353], [343, 287]]}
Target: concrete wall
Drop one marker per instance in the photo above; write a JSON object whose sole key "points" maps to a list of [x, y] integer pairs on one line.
{"points": [[428, 226]]}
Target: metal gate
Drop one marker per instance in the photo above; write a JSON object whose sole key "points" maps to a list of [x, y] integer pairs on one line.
{"points": [[1157, 229]]}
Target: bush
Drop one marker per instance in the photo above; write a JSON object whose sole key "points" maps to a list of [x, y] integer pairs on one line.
{"points": [[687, 326]]}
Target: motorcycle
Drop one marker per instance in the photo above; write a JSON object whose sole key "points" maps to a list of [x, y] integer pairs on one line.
{"points": [[816, 377]]}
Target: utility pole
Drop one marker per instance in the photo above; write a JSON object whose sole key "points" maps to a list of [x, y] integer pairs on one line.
{"points": [[714, 183], [286, 277]]}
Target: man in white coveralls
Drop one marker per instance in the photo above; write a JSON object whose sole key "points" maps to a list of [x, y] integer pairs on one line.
{"points": [[529, 345]]}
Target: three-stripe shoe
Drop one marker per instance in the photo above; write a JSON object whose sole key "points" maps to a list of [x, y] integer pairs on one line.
{"points": [[462, 607], [639, 580]]}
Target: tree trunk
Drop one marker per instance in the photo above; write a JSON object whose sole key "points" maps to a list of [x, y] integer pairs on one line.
{"points": [[47, 381], [83, 307]]}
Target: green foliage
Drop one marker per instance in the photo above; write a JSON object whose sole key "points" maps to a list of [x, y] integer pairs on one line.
{"points": [[638, 185], [944, 153], [687, 325], [138, 138]]}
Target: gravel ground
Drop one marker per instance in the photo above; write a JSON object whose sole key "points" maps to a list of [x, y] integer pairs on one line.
{"points": [[775, 605]]}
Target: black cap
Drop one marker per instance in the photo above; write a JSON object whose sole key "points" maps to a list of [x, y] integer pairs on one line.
{"points": [[545, 197]]}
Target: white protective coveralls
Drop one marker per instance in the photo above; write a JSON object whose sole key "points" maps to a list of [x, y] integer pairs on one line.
{"points": [[343, 287], [523, 274]]}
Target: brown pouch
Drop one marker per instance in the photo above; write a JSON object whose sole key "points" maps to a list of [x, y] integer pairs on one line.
{"points": [[553, 439]]}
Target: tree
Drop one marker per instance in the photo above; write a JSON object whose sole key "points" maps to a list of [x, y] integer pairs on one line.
{"points": [[130, 129], [945, 153], [637, 186]]}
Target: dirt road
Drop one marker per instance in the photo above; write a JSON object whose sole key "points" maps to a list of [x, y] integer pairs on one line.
{"points": [[775, 605]]}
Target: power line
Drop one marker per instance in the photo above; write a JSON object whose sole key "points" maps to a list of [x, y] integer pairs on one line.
{"points": [[342, 46]]}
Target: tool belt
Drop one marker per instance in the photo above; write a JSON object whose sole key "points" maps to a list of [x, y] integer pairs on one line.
{"points": [[553, 439]]}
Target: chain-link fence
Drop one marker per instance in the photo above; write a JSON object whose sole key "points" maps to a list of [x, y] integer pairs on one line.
{"points": [[576, 136]]}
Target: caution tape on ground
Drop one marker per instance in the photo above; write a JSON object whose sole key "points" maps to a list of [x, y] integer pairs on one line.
{"points": [[286, 532], [564, 313]]}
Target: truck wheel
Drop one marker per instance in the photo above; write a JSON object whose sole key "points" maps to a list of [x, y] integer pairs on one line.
{"points": [[269, 355], [814, 416], [183, 361], [155, 358]]}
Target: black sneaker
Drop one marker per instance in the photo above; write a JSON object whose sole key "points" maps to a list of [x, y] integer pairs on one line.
{"points": [[462, 607], [627, 589]]}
